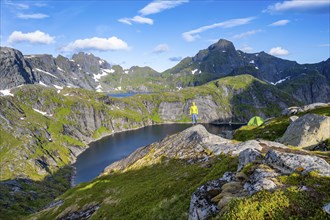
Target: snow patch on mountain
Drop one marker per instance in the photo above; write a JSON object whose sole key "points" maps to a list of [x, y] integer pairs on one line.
{"points": [[41, 112], [60, 69], [194, 71], [45, 72], [6, 92], [43, 84], [107, 70], [97, 77]]}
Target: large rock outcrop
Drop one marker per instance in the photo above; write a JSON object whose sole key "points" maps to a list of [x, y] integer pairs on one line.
{"points": [[14, 70], [307, 131], [195, 145], [82, 71]]}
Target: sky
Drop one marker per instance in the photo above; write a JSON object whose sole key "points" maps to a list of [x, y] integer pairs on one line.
{"points": [[161, 33]]}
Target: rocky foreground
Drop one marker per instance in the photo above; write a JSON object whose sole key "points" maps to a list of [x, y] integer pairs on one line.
{"points": [[255, 179], [265, 160]]}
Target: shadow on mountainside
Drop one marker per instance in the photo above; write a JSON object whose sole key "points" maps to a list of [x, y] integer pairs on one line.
{"points": [[250, 97], [21, 197]]}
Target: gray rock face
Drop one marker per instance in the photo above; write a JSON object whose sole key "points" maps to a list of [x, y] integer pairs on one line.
{"points": [[129, 160], [193, 144], [307, 131], [14, 70], [295, 109], [208, 110], [289, 162], [252, 144], [263, 178], [201, 206], [86, 213], [169, 111], [309, 87], [247, 156]]}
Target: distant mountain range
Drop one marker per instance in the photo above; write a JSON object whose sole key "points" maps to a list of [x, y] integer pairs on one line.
{"points": [[308, 83]]}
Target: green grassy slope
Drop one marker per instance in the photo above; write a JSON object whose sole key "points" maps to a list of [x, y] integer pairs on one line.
{"points": [[36, 147], [161, 191]]}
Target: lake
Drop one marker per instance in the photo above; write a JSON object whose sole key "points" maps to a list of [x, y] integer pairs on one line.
{"points": [[123, 95], [109, 149]]}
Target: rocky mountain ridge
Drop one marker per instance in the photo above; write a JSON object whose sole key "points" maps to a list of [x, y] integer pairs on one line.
{"points": [[308, 83], [83, 70], [222, 59]]}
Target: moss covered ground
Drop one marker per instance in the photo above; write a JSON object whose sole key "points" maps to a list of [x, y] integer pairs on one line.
{"points": [[160, 191], [272, 129], [301, 197]]}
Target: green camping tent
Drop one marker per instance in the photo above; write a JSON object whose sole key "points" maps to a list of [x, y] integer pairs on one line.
{"points": [[255, 121]]}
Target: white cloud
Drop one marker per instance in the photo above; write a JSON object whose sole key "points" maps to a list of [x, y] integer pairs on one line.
{"points": [[154, 7], [96, 43], [161, 48], [159, 6], [246, 34], [280, 23], [278, 51], [136, 19], [247, 49], [125, 20], [37, 37], [32, 16], [193, 34], [300, 6], [19, 6]]}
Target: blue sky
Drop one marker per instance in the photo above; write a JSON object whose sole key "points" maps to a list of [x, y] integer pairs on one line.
{"points": [[160, 33]]}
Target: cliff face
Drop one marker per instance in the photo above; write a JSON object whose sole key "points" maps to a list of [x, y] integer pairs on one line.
{"points": [[309, 88], [231, 99], [44, 130], [50, 128], [14, 69]]}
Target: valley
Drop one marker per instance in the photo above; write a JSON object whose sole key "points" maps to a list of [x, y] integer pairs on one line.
{"points": [[51, 109]]}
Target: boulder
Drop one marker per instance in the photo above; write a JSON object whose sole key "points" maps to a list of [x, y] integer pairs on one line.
{"points": [[201, 206], [290, 162], [203, 203], [252, 144], [295, 109], [307, 131], [262, 178], [247, 156]]}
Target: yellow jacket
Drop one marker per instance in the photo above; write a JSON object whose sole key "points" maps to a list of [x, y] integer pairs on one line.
{"points": [[193, 109]]}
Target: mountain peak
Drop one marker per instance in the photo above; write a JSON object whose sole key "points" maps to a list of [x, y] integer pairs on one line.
{"points": [[223, 44]]}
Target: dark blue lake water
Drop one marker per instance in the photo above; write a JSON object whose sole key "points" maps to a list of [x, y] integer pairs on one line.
{"points": [[107, 150], [123, 95]]}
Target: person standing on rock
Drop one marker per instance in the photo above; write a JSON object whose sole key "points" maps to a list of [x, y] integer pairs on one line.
{"points": [[194, 113]]}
